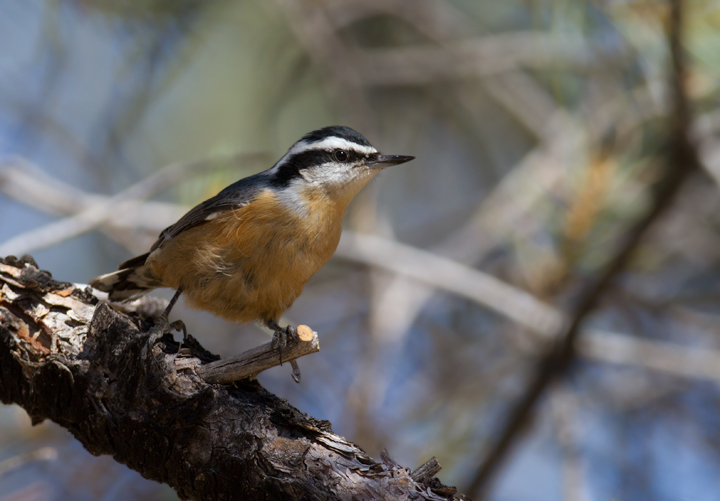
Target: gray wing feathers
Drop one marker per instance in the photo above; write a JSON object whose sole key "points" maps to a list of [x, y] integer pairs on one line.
{"points": [[234, 196], [134, 279]]}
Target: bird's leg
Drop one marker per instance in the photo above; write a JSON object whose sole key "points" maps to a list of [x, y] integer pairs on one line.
{"points": [[163, 326], [172, 302], [280, 339]]}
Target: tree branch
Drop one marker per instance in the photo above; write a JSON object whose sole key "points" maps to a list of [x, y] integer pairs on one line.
{"points": [[67, 357]]}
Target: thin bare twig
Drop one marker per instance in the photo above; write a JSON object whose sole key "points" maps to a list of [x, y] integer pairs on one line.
{"points": [[480, 57], [92, 217], [135, 227], [539, 318], [452, 276], [511, 208], [682, 160], [252, 362]]}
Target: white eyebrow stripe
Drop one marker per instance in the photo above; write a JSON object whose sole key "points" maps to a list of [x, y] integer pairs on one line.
{"points": [[331, 143]]}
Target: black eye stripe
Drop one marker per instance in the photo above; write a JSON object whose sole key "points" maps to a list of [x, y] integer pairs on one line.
{"points": [[291, 167], [319, 156]]}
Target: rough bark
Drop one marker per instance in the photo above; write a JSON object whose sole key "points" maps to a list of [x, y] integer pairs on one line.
{"points": [[65, 356]]}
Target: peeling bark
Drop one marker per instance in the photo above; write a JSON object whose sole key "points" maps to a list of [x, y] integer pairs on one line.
{"points": [[67, 357]]}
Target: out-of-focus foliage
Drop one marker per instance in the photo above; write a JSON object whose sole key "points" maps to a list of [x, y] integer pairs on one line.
{"points": [[538, 128]]}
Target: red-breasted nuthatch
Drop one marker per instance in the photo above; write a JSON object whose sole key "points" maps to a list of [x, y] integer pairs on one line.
{"points": [[246, 253]]}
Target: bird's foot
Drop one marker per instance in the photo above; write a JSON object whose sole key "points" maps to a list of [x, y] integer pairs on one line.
{"points": [[281, 337], [163, 326], [280, 340]]}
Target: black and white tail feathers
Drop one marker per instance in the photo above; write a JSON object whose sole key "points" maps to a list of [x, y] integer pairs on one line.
{"points": [[131, 280]]}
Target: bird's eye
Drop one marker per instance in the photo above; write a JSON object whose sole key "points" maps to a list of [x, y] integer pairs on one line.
{"points": [[341, 155]]}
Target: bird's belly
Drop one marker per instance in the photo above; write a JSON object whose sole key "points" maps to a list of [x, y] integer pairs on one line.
{"points": [[258, 287], [243, 268]]}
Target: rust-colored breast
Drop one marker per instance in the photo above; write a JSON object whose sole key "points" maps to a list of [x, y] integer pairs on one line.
{"points": [[251, 263]]}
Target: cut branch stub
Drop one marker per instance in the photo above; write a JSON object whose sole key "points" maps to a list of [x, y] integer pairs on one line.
{"points": [[427, 470], [253, 362]]}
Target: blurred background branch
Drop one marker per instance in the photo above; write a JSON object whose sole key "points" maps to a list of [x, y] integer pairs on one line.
{"points": [[680, 163]]}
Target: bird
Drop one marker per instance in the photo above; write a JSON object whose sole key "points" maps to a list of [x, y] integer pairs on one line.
{"points": [[246, 253]]}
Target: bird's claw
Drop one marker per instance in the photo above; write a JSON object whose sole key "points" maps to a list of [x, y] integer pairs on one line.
{"points": [[163, 326], [295, 371], [178, 325]]}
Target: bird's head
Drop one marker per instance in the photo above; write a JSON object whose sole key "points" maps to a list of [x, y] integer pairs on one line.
{"points": [[337, 160]]}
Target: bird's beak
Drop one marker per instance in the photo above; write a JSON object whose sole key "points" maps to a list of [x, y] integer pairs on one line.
{"points": [[383, 161]]}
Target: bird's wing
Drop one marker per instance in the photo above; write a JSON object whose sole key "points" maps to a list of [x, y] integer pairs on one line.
{"points": [[234, 196]]}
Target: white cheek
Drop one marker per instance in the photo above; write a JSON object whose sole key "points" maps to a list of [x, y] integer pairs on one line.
{"points": [[339, 182]]}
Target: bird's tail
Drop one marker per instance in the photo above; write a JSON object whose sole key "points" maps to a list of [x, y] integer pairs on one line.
{"points": [[132, 280]]}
